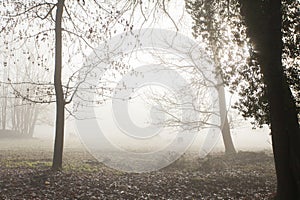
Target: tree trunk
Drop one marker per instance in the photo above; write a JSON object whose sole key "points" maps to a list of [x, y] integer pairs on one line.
{"points": [[225, 128], [4, 113], [264, 28], [33, 120], [4, 102], [60, 102]]}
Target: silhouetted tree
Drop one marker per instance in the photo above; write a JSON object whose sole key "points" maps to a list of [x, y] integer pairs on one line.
{"points": [[254, 102], [36, 20], [268, 82], [264, 27]]}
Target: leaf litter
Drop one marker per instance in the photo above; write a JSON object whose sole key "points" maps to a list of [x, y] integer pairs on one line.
{"points": [[27, 175]]}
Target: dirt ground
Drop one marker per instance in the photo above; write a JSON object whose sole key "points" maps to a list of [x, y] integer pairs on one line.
{"points": [[25, 174]]}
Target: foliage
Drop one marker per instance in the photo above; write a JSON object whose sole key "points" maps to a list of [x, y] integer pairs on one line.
{"points": [[291, 48], [243, 76]]}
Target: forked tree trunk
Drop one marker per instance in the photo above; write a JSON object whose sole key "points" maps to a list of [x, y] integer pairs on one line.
{"points": [[60, 103], [263, 19]]}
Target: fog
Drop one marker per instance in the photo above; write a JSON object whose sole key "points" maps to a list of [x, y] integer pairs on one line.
{"points": [[149, 99], [245, 137]]}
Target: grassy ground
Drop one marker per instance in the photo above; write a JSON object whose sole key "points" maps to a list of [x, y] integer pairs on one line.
{"points": [[25, 174]]}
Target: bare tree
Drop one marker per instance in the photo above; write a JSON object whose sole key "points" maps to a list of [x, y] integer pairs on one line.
{"points": [[199, 105], [36, 21], [67, 30], [77, 28], [18, 114]]}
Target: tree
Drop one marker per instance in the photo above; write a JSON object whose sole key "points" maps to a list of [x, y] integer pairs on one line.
{"points": [[244, 76], [34, 21], [212, 26], [264, 27], [60, 101], [4, 101], [19, 115], [200, 76], [253, 102], [264, 81]]}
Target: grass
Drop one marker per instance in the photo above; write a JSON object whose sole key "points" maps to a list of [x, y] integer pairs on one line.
{"points": [[25, 163], [25, 173]]}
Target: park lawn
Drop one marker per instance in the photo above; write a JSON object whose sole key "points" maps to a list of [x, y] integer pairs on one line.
{"points": [[25, 173]]}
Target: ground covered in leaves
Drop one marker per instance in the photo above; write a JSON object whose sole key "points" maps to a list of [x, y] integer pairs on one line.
{"points": [[25, 174]]}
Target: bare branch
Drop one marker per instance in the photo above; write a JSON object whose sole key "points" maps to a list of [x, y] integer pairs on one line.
{"points": [[31, 8]]}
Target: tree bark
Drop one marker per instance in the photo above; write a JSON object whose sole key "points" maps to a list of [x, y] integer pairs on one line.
{"points": [[263, 20], [60, 102]]}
